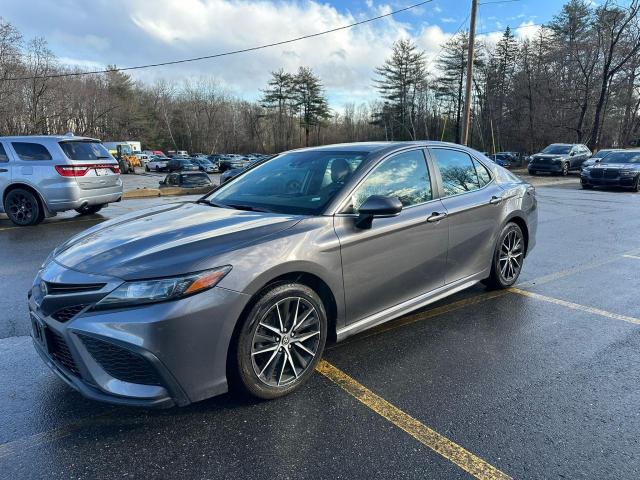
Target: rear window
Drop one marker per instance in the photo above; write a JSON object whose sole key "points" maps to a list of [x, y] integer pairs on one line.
{"points": [[78, 150], [3, 154], [31, 151]]}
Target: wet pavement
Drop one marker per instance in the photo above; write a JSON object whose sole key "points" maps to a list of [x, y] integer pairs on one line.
{"points": [[540, 382]]}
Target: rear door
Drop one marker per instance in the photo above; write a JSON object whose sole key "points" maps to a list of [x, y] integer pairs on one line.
{"points": [[92, 165], [398, 258], [474, 204]]}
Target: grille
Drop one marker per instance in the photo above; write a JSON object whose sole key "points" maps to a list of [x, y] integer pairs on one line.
{"points": [[611, 174], [59, 351], [597, 173], [67, 313], [64, 288], [121, 363]]}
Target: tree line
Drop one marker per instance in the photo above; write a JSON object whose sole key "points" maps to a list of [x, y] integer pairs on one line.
{"points": [[576, 80]]}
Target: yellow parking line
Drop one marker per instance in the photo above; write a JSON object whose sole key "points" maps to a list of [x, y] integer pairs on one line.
{"points": [[577, 306], [425, 435]]}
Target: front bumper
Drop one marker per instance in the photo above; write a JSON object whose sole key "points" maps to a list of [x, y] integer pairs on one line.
{"points": [[178, 349], [546, 167], [625, 182]]}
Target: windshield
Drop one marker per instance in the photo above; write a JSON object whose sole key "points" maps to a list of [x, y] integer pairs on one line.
{"points": [[601, 154], [623, 157], [294, 183], [83, 150], [557, 149]]}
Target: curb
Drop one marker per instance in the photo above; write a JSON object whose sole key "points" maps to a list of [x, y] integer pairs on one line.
{"points": [[163, 192]]}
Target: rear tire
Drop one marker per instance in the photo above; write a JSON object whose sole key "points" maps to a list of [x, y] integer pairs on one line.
{"points": [[587, 187], [280, 341], [508, 258], [532, 172], [23, 207], [89, 209], [146, 168]]}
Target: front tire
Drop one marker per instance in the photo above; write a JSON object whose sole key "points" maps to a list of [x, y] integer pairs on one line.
{"points": [[507, 258], [89, 209], [636, 185], [23, 208], [586, 186], [532, 172], [565, 169], [280, 342]]}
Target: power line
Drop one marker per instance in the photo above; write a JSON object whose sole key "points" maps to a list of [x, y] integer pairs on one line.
{"points": [[224, 54]]}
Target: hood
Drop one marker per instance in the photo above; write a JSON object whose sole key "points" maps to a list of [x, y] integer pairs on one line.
{"points": [[549, 156], [621, 166], [167, 240]]}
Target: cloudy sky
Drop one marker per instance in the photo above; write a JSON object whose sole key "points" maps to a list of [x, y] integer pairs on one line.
{"points": [[94, 33]]}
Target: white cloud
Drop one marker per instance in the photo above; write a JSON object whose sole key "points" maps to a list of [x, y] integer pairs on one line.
{"points": [[448, 20], [527, 30]]}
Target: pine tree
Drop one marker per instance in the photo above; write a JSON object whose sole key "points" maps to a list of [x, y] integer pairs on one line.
{"points": [[278, 98], [310, 100], [399, 82]]}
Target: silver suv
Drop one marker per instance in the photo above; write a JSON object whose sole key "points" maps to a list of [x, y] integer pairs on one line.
{"points": [[43, 175]]}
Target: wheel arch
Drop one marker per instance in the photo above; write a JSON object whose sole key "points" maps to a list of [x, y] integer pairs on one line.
{"points": [[519, 220], [30, 188]]}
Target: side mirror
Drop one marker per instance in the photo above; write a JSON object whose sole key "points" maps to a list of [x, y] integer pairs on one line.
{"points": [[597, 160], [571, 154], [377, 206]]}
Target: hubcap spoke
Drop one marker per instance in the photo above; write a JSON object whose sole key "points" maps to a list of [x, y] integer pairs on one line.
{"points": [[510, 256], [278, 354]]}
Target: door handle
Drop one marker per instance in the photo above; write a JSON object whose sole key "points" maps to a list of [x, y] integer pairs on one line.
{"points": [[436, 217], [495, 200], [3, 170]]}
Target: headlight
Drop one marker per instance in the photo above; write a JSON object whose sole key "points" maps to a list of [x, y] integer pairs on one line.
{"points": [[627, 173], [162, 289]]}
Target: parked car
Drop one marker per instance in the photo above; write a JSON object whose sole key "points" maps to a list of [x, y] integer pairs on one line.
{"points": [[186, 180], [204, 165], [598, 156], [617, 169], [43, 175], [559, 158], [181, 164], [157, 163], [144, 158], [251, 279], [503, 159], [229, 162], [234, 172]]}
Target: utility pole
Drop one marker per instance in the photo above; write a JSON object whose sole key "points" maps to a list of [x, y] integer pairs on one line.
{"points": [[466, 124]]}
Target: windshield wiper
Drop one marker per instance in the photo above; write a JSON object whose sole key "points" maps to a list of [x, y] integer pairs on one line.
{"points": [[248, 208], [102, 156], [211, 203]]}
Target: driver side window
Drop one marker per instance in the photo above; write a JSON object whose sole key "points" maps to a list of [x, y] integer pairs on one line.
{"points": [[404, 175]]}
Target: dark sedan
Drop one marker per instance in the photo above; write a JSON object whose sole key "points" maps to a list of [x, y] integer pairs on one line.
{"points": [[204, 165], [187, 180], [181, 165], [232, 161], [234, 172], [617, 169]]}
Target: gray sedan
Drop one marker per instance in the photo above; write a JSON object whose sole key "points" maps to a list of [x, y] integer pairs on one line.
{"points": [[243, 288]]}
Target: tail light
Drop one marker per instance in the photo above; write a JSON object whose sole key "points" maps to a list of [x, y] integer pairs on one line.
{"points": [[81, 170]]}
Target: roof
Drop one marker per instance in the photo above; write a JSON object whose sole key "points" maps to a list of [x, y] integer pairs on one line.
{"points": [[41, 138], [371, 147]]}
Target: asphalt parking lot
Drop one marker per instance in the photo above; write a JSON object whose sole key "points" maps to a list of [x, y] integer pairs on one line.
{"points": [[537, 382]]}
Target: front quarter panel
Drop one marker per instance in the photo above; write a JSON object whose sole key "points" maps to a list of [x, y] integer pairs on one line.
{"points": [[311, 246]]}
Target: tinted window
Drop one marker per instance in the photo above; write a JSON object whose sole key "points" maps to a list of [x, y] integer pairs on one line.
{"points": [[82, 150], [458, 171], [623, 157], [292, 183], [3, 154], [197, 179], [31, 151], [557, 149], [404, 176], [483, 173]]}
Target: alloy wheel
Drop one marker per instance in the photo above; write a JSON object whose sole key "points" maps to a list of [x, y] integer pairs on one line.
{"points": [[511, 254], [21, 208], [285, 341]]}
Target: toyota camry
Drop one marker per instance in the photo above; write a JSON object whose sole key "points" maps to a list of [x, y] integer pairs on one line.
{"points": [[244, 287]]}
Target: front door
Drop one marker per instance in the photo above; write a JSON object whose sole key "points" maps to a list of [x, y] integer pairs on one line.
{"points": [[398, 258], [475, 205]]}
